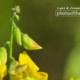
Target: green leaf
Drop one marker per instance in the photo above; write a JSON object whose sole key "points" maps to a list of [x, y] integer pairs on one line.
{"points": [[72, 68]]}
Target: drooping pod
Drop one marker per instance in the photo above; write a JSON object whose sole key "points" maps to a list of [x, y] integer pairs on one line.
{"points": [[3, 55], [17, 34], [29, 43]]}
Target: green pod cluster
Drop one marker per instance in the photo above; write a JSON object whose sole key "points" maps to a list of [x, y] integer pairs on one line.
{"points": [[3, 55], [29, 43], [24, 40], [17, 34]]}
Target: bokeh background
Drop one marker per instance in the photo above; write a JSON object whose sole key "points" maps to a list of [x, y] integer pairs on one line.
{"points": [[55, 34]]}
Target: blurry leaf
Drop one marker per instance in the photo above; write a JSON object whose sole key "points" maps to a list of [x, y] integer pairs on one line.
{"points": [[73, 64]]}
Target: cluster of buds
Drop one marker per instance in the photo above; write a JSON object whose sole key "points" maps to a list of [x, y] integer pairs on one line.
{"points": [[16, 10], [24, 40]]}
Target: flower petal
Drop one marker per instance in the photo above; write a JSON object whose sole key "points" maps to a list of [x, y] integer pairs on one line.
{"points": [[39, 76], [15, 68], [44, 75], [16, 77], [3, 70], [25, 59]]}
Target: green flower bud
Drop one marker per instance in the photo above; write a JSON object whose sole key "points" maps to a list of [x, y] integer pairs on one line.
{"points": [[17, 17], [17, 34], [29, 43], [3, 55]]}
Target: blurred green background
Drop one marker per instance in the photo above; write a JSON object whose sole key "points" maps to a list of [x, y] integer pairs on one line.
{"points": [[55, 34]]}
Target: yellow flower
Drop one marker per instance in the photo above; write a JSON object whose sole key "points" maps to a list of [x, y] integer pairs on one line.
{"points": [[27, 69], [3, 70], [3, 60]]}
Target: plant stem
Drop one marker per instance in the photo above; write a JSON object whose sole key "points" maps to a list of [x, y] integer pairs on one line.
{"points": [[11, 43], [10, 50]]}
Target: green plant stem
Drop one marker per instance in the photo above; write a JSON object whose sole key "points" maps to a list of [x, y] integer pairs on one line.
{"points": [[10, 50], [11, 42]]}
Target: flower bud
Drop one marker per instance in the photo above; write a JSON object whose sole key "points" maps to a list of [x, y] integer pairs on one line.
{"points": [[17, 34], [17, 17], [3, 55], [29, 43]]}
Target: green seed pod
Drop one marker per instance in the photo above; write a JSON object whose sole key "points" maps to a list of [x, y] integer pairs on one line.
{"points": [[3, 55], [17, 34], [29, 43]]}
